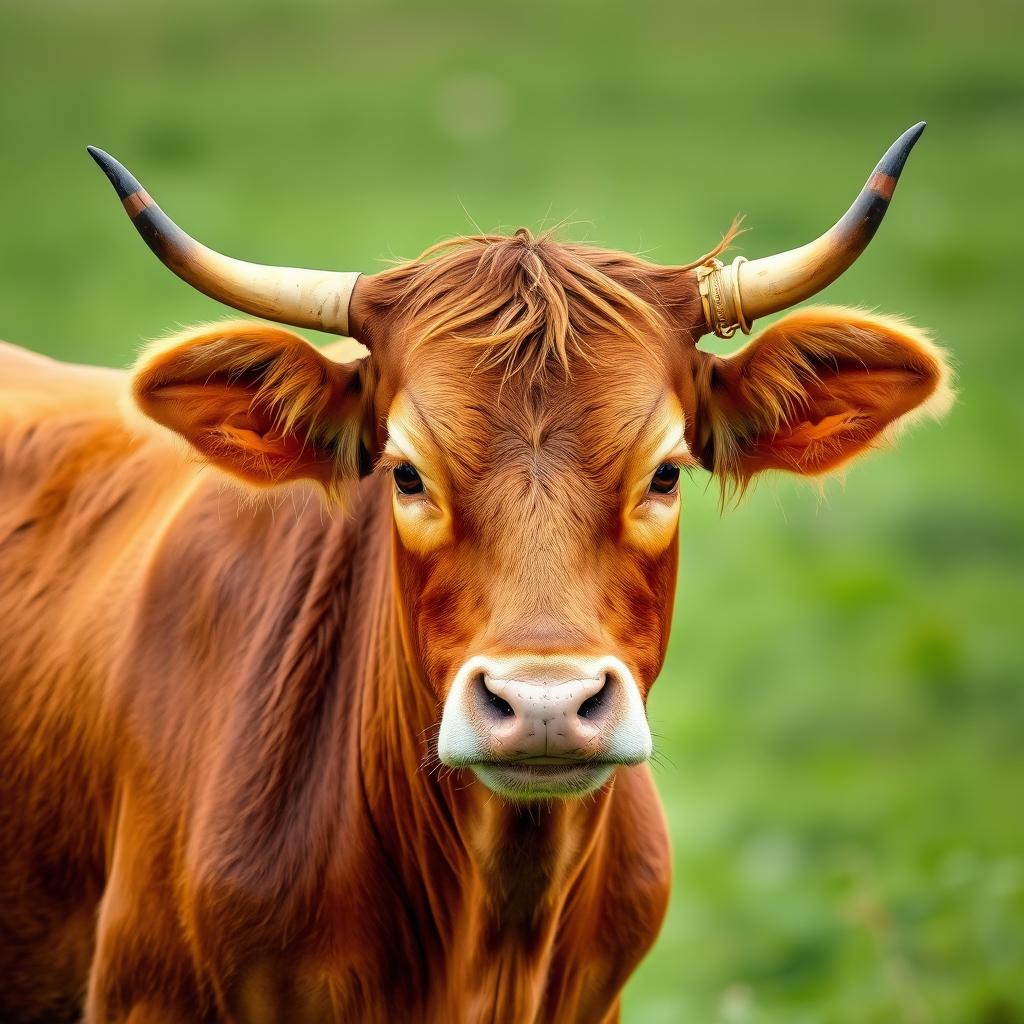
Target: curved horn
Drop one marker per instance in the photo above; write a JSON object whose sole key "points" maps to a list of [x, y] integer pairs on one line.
{"points": [[303, 298], [736, 295]]}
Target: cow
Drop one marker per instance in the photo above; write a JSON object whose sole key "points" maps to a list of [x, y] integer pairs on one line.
{"points": [[323, 671]]}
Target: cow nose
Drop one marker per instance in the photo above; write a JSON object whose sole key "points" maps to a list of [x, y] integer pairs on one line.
{"points": [[535, 707], [550, 712]]}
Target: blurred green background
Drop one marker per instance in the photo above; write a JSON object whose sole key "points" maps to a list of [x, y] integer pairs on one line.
{"points": [[842, 715]]}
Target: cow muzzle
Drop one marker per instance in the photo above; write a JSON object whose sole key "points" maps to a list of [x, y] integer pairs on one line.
{"points": [[543, 726]]}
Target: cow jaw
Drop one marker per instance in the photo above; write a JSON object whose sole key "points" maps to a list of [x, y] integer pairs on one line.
{"points": [[541, 726]]}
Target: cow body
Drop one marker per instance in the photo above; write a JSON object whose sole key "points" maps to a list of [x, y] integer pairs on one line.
{"points": [[211, 735], [323, 672]]}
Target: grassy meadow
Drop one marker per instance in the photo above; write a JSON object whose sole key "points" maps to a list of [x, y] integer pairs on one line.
{"points": [[841, 719]]}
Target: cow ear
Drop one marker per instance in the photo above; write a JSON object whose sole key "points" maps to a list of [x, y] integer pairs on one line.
{"points": [[257, 401], [813, 391]]}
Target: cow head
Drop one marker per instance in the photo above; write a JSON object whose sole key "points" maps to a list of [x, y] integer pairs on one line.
{"points": [[533, 404]]}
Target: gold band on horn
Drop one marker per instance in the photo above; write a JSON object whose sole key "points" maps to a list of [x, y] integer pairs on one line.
{"points": [[721, 298]]}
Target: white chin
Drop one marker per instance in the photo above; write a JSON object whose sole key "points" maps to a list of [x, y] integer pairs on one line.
{"points": [[543, 782]]}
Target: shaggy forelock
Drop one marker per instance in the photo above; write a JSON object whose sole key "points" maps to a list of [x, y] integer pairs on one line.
{"points": [[531, 304]]}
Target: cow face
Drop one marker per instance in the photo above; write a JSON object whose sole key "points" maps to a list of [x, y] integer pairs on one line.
{"points": [[533, 405], [535, 499]]}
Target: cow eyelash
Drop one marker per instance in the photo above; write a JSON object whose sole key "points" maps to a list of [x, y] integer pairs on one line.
{"points": [[407, 480]]}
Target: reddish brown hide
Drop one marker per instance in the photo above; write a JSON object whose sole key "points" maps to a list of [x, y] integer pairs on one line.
{"points": [[220, 794]]}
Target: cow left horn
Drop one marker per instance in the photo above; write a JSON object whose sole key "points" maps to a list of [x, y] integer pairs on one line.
{"points": [[738, 294], [317, 299]]}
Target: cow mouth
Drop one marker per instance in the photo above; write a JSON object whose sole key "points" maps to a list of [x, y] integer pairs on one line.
{"points": [[543, 777]]}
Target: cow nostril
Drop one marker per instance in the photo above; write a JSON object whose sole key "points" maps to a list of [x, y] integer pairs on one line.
{"points": [[592, 706], [501, 707]]}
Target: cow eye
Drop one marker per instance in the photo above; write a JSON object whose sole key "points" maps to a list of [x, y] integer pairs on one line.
{"points": [[407, 480], [665, 479]]}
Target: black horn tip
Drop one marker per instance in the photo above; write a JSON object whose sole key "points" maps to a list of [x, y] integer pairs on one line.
{"points": [[124, 182], [896, 155]]}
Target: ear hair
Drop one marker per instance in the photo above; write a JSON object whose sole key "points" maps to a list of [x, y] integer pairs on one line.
{"points": [[814, 390], [257, 401]]}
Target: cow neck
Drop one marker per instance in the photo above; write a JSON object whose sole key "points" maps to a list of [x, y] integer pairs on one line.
{"points": [[474, 860]]}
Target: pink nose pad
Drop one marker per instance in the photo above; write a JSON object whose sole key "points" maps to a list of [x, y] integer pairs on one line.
{"points": [[539, 716]]}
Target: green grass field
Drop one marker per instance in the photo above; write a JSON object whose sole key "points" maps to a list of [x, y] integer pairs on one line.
{"points": [[841, 719]]}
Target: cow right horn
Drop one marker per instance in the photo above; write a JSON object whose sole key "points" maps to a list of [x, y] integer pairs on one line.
{"points": [[736, 295]]}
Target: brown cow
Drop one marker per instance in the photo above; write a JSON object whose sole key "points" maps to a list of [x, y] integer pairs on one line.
{"points": [[267, 761]]}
